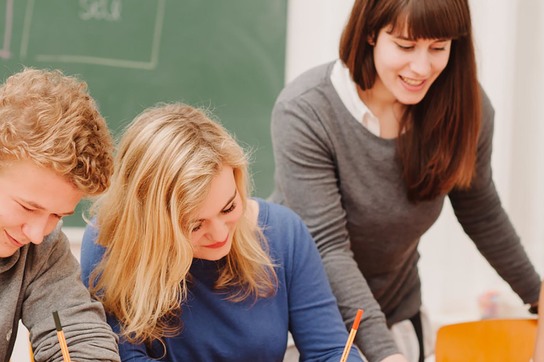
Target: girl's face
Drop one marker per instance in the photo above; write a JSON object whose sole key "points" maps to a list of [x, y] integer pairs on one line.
{"points": [[217, 218], [407, 68]]}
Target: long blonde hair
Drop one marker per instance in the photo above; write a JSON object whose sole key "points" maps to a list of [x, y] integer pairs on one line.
{"points": [[166, 161]]}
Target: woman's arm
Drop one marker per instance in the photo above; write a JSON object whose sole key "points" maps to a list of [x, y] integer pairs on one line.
{"points": [[483, 218], [315, 321], [306, 181]]}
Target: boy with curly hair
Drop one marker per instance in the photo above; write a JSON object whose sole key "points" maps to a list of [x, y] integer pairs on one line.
{"points": [[55, 149]]}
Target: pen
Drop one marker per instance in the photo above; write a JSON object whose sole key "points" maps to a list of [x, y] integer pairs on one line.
{"points": [[62, 340], [351, 336]]}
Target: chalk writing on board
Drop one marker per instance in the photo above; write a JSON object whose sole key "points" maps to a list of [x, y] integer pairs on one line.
{"points": [[100, 9], [8, 23], [226, 56], [99, 33]]}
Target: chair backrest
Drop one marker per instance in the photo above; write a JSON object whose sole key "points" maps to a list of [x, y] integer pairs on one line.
{"points": [[494, 340]]}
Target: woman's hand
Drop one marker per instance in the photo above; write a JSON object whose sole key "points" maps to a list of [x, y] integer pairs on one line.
{"points": [[395, 358]]}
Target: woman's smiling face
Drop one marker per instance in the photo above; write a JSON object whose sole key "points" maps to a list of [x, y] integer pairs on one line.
{"points": [[217, 218], [406, 68]]}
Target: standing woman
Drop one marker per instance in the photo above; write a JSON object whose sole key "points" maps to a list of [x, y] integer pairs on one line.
{"points": [[189, 267], [368, 147]]}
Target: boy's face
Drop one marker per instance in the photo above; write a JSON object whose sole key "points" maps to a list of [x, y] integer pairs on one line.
{"points": [[32, 201]]}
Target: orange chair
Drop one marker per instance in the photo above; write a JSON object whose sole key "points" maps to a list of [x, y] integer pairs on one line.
{"points": [[490, 340]]}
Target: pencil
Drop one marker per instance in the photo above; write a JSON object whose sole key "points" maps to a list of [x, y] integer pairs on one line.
{"points": [[30, 351], [62, 340], [351, 336]]}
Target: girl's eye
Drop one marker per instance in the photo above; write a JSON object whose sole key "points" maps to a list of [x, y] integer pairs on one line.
{"points": [[230, 209], [196, 228], [405, 47], [26, 208]]}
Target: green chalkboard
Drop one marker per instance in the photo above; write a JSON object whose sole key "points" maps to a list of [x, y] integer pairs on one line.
{"points": [[225, 55]]}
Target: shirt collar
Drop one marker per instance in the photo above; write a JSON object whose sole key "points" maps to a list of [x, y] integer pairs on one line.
{"points": [[347, 91]]}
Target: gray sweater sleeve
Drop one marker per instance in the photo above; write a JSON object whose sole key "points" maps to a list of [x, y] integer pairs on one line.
{"points": [[53, 284], [306, 181], [483, 218]]}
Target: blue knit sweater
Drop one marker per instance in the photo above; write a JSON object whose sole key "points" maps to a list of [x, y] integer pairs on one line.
{"points": [[215, 329]]}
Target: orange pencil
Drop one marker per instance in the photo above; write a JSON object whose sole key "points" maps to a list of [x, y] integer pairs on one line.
{"points": [[62, 340], [30, 351], [351, 336]]}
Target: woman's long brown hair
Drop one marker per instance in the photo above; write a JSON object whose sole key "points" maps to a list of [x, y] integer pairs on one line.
{"points": [[438, 137]]}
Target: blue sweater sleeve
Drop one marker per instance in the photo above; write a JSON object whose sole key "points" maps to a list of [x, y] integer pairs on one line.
{"points": [[314, 318]]}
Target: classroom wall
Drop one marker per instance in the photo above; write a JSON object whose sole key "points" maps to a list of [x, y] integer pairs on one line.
{"points": [[509, 38]]}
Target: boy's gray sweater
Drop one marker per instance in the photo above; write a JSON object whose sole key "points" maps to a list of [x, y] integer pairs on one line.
{"points": [[40, 279]]}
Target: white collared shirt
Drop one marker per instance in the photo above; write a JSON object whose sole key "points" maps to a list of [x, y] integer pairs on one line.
{"points": [[347, 91]]}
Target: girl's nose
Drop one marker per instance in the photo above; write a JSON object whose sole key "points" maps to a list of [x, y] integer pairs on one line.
{"points": [[218, 230], [421, 63]]}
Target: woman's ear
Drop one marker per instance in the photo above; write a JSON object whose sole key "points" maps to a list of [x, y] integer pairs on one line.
{"points": [[370, 40]]}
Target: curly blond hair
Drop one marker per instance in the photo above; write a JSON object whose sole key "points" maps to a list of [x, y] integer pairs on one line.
{"points": [[50, 118]]}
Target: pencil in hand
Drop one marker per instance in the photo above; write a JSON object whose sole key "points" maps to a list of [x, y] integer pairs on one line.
{"points": [[62, 340], [351, 336]]}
